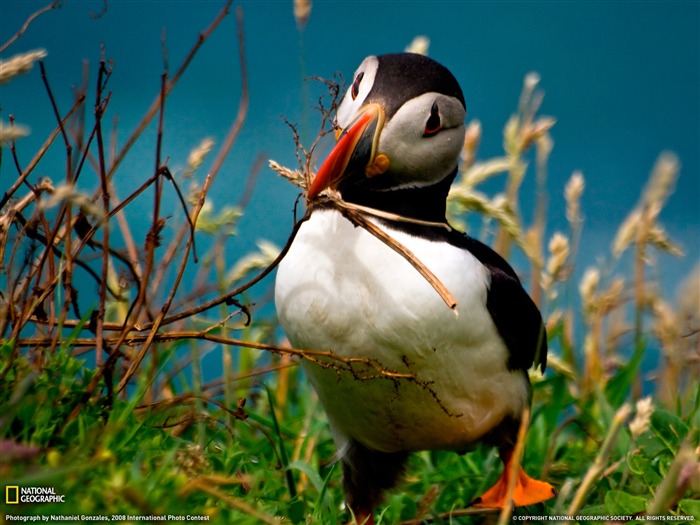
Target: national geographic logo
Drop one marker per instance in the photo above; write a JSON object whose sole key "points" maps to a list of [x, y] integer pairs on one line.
{"points": [[12, 495], [15, 494]]}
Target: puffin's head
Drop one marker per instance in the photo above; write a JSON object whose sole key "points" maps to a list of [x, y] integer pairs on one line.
{"points": [[401, 126]]}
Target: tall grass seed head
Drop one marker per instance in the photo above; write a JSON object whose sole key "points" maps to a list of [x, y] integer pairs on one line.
{"points": [[10, 132], [640, 226], [197, 156], [612, 297], [544, 143], [588, 287], [502, 212], [667, 326], [69, 193], [642, 418], [529, 103], [532, 79], [302, 12], [662, 180], [626, 233], [478, 172], [472, 139], [537, 132], [19, 64], [419, 45], [556, 269], [572, 195], [559, 253], [689, 295], [531, 246], [659, 238]]}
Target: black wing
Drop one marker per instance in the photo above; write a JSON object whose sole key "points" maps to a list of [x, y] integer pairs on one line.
{"points": [[514, 313]]}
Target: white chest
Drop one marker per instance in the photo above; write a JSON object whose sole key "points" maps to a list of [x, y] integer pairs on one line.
{"points": [[341, 289]]}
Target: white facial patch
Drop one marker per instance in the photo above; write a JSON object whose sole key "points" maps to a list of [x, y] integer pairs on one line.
{"points": [[349, 107], [423, 160]]}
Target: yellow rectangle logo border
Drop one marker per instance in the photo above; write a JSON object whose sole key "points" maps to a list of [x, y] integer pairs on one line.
{"points": [[7, 494]]}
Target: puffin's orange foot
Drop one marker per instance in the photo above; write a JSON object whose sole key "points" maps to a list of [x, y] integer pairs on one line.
{"points": [[527, 491]]}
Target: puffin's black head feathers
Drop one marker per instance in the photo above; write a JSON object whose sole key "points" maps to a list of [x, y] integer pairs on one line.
{"points": [[411, 75]]}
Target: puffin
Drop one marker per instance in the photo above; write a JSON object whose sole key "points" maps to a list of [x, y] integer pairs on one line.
{"points": [[455, 378]]}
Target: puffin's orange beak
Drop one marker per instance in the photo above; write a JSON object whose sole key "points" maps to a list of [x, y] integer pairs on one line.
{"points": [[353, 138]]}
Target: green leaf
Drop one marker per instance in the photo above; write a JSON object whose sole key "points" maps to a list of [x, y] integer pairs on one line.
{"points": [[620, 503], [651, 446], [311, 473], [642, 466], [669, 428], [280, 439], [407, 507], [619, 386], [297, 509], [691, 507], [594, 510], [324, 495]]}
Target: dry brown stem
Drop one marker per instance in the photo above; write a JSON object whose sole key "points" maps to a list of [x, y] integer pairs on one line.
{"points": [[601, 460], [48, 7], [155, 105], [218, 162], [233, 502], [357, 215], [357, 218]]}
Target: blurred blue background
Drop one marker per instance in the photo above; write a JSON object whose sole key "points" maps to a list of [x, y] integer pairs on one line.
{"points": [[621, 78]]}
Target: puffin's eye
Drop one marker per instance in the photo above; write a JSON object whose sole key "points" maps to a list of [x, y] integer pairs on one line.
{"points": [[433, 125], [356, 85]]}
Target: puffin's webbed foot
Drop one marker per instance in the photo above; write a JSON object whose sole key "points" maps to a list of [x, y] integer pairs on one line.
{"points": [[527, 491]]}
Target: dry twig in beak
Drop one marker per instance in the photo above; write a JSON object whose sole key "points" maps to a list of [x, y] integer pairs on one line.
{"points": [[359, 219]]}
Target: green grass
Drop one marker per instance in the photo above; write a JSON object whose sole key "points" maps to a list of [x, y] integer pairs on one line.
{"points": [[126, 460], [254, 446]]}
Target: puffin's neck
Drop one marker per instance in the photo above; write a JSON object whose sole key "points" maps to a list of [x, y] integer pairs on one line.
{"points": [[427, 203]]}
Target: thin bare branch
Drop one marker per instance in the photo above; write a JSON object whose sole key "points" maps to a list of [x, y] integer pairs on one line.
{"points": [[95, 16], [601, 460], [48, 7], [223, 152], [102, 292], [155, 105], [218, 162], [39, 154], [228, 297]]}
